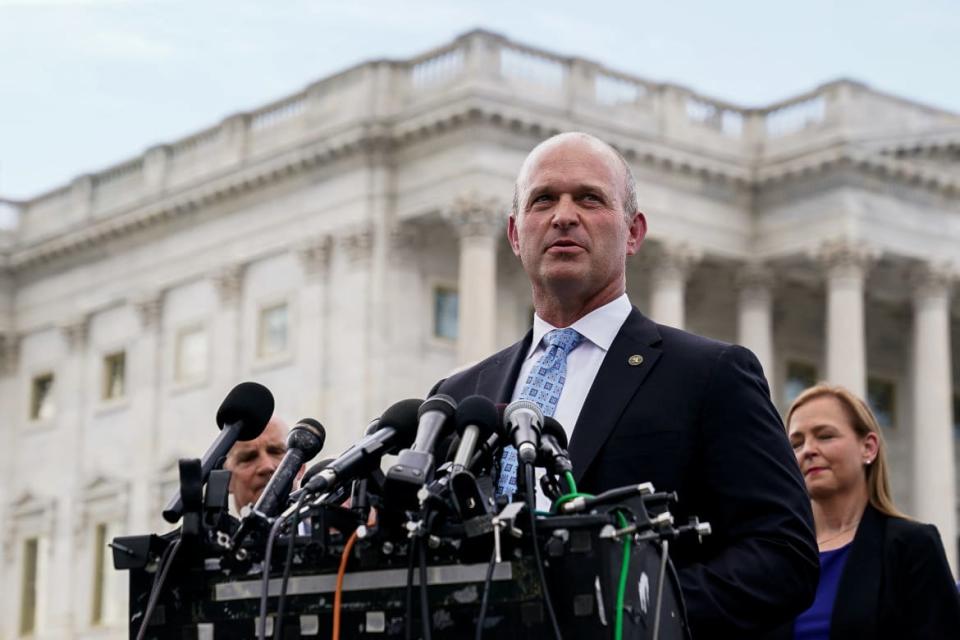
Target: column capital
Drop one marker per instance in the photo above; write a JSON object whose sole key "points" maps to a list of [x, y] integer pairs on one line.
{"points": [[76, 331], [672, 261], [932, 280], [404, 237], [357, 243], [754, 275], [845, 258], [472, 215], [149, 308], [314, 255], [228, 281]]}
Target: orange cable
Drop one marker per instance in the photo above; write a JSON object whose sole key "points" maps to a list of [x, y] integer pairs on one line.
{"points": [[338, 594]]}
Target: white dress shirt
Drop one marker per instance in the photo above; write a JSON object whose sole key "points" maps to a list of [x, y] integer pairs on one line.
{"points": [[599, 328]]}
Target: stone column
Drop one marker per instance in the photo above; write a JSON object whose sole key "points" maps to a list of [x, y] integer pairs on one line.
{"points": [[845, 265], [669, 268], [350, 389], [226, 342], [72, 389], [755, 315], [9, 351], [934, 475], [479, 223], [314, 254], [145, 377]]}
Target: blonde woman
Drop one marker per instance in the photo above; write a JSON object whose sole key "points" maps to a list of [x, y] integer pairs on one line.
{"points": [[882, 575]]}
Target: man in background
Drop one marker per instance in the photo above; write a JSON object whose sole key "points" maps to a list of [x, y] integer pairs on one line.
{"points": [[252, 463]]}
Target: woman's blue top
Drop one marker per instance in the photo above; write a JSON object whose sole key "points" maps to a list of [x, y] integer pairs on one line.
{"points": [[814, 623]]}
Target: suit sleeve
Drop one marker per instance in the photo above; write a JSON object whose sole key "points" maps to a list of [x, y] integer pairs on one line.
{"points": [[764, 566], [925, 586]]}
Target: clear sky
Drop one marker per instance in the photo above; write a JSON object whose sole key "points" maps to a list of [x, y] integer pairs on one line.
{"points": [[87, 83]]}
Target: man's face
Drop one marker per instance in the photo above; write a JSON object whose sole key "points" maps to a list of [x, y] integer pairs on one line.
{"points": [[570, 231], [253, 462]]}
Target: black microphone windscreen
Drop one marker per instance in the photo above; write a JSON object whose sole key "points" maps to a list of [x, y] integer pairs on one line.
{"points": [[480, 412], [249, 403], [308, 435], [439, 402], [403, 418], [552, 427]]}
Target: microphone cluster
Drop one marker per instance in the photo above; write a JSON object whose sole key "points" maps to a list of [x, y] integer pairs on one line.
{"points": [[438, 492]]}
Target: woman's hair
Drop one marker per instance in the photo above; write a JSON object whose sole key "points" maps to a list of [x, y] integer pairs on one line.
{"points": [[863, 422]]}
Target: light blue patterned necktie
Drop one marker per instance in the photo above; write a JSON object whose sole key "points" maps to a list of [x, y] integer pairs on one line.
{"points": [[543, 386]]}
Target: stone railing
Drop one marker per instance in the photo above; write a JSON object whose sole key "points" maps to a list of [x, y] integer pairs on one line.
{"points": [[525, 77]]}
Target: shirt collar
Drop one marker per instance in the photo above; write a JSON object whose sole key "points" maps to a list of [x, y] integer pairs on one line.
{"points": [[600, 326]]}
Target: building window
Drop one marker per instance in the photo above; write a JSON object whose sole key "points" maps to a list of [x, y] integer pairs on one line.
{"points": [[273, 335], [800, 376], [114, 375], [28, 587], [191, 355], [881, 397], [446, 304], [41, 397]]}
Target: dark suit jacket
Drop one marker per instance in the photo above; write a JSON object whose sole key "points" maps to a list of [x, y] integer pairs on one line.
{"points": [[694, 417], [896, 584]]}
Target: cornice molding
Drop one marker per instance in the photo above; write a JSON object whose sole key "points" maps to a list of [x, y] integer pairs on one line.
{"points": [[394, 133]]}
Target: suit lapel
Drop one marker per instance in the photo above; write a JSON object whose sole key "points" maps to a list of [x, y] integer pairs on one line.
{"points": [[618, 379], [497, 380], [855, 609]]}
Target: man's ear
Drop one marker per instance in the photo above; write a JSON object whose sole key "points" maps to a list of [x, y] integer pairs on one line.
{"points": [[636, 232], [512, 234]]}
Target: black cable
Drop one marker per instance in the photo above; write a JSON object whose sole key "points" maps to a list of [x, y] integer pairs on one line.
{"points": [[166, 561], [487, 581], [265, 579], [424, 602], [531, 509], [411, 554], [663, 574], [287, 567]]}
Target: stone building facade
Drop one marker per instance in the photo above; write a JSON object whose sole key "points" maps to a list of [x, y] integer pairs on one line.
{"points": [[345, 246]]}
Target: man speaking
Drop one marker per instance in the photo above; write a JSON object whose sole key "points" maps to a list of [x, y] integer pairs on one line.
{"points": [[646, 402]]}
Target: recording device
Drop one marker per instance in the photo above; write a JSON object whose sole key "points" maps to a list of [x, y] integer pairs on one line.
{"points": [[414, 466], [523, 421], [243, 415], [553, 447], [304, 441], [476, 420], [397, 429]]}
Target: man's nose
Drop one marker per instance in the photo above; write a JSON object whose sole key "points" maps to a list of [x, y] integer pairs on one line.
{"points": [[268, 465], [565, 214]]}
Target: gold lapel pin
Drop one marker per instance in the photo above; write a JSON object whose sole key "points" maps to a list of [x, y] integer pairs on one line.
{"points": [[635, 360]]}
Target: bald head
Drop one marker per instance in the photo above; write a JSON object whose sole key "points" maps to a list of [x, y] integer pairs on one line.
{"points": [[630, 203]]}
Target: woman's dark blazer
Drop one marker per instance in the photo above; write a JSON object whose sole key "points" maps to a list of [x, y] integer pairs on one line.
{"points": [[896, 584]]}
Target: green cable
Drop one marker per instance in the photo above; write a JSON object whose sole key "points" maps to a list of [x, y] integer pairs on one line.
{"points": [[622, 587], [570, 481], [567, 498], [624, 566]]}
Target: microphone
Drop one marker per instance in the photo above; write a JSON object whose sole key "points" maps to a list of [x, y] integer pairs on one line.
{"points": [[553, 447], [397, 429], [243, 415], [523, 420], [414, 465], [304, 441], [476, 420], [308, 476]]}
